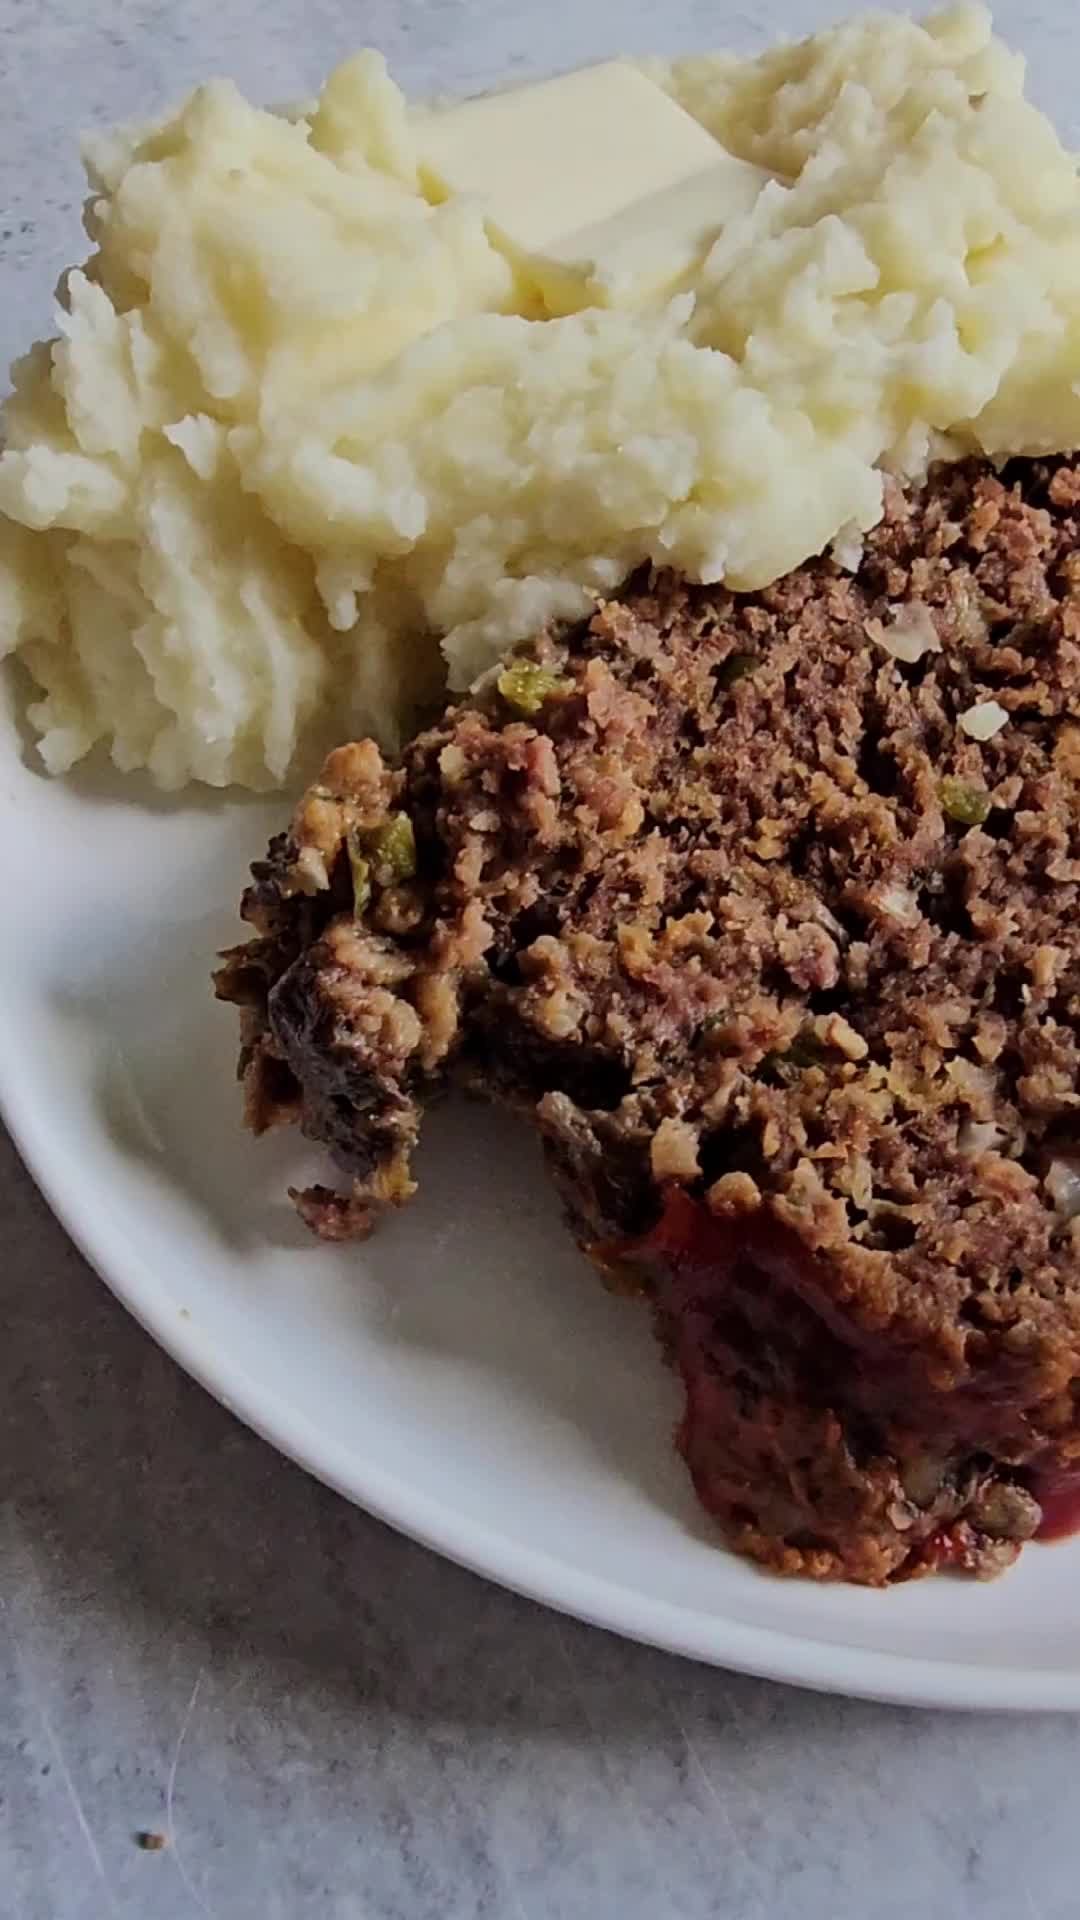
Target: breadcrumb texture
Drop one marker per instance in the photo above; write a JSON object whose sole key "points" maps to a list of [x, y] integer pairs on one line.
{"points": [[784, 964], [306, 447]]}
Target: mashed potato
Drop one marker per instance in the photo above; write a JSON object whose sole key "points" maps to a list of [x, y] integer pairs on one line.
{"points": [[304, 448]]}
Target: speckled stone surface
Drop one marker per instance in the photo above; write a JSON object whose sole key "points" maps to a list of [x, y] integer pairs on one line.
{"points": [[194, 1637]]}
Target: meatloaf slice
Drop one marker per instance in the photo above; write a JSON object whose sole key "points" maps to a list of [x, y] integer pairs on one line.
{"points": [[766, 908]]}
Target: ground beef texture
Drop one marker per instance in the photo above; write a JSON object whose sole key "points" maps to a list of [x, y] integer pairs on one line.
{"points": [[765, 909]]}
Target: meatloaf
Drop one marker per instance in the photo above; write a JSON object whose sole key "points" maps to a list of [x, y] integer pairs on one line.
{"points": [[766, 909]]}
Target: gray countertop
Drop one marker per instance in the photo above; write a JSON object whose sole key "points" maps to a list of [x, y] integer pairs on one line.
{"points": [[195, 1637]]}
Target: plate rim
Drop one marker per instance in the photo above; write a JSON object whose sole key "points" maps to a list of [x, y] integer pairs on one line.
{"points": [[768, 1653]]}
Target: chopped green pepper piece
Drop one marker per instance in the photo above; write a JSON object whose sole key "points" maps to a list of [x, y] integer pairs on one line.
{"points": [[967, 805], [393, 851], [525, 686], [736, 667], [711, 1023], [361, 874], [805, 1051], [380, 857], [771, 1067]]}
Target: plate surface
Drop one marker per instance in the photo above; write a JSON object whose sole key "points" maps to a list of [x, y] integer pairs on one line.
{"points": [[462, 1375]]}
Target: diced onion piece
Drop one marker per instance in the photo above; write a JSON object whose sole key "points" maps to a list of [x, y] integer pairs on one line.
{"points": [[862, 1182], [827, 919], [984, 719], [847, 548], [1062, 1183], [897, 903], [911, 634], [311, 871], [980, 1136]]}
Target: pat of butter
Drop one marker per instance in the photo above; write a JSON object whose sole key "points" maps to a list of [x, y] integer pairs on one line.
{"points": [[562, 156], [645, 250]]}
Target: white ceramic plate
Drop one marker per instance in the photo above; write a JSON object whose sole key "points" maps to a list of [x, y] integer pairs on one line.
{"points": [[462, 1375]]}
